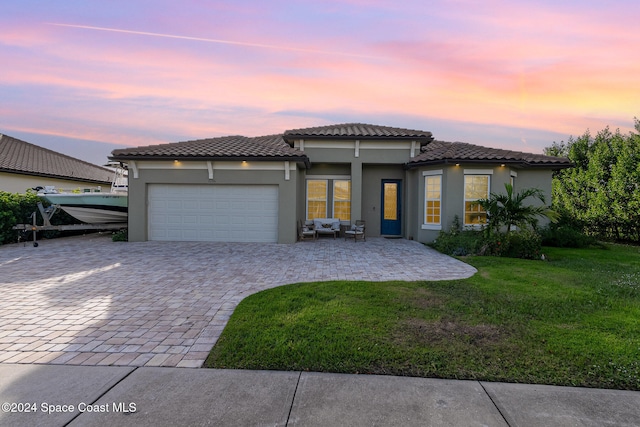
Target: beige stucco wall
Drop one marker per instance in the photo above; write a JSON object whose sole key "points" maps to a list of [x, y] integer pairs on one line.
{"points": [[169, 174], [19, 183]]}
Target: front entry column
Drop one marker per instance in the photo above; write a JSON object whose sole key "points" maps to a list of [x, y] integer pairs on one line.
{"points": [[356, 190]]}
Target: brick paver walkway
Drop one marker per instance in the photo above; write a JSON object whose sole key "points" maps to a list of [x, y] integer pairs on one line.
{"points": [[90, 301]]}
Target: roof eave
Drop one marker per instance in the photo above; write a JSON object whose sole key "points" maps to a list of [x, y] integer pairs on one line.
{"points": [[515, 163], [49, 175], [297, 159]]}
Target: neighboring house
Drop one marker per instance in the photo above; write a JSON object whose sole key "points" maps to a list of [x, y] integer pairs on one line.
{"points": [[24, 166], [400, 181]]}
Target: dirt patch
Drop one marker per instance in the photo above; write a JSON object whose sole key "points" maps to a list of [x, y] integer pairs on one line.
{"points": [[425, 332]]}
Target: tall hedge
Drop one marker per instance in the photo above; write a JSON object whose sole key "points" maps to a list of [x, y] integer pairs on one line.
{"points": [[602, 191]]}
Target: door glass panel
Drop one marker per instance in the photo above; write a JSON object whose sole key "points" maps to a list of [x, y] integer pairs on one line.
{"points": [[390, 201]]}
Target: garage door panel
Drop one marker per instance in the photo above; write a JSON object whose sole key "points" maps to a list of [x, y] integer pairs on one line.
{"points": [[190, 219], [206, 219], [228, 213]]}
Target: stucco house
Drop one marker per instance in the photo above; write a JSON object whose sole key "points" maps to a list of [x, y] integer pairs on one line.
{"points": [[402, 182], [24, 166]]}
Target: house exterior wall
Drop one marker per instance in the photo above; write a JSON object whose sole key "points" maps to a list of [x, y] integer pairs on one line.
{"points": [[452, 196], [365, 163], [372, 177], [155, 172], [19, 183], [536, 178], [358, 160]]}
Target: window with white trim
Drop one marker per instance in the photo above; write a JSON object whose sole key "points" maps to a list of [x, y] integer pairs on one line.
{"points": [[432, 199], [321, 191], [475, 187], [342, 199], [316, 198]]}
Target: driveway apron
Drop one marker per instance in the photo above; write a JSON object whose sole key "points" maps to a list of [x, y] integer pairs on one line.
{"points": [[90, 301]]}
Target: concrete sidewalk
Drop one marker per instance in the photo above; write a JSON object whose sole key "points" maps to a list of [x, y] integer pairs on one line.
{"points": [[58, 395]]}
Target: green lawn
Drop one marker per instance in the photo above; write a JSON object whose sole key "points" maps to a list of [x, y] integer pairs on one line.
{"points": [[571, 320]]}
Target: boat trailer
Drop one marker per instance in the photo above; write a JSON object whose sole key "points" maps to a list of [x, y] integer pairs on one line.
{"points": [[47, 213]]}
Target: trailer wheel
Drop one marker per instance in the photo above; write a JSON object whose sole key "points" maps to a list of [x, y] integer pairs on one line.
{"points": [[35, 244]]}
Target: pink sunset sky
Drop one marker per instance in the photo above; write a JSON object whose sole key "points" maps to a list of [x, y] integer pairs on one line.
{"points": [[84, 77]]}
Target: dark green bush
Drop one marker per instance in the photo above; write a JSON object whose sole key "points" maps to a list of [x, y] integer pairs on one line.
{"points": [[524, 243], [459, 243], [566, 237], [120, 236], [567, 232], [15, 208]]}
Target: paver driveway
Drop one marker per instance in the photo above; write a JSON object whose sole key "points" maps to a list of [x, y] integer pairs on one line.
{"points": [[90, 301]]}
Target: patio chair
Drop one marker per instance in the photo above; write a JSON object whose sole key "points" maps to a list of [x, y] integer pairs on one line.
{"points": [[306, 231], [357, 230]]}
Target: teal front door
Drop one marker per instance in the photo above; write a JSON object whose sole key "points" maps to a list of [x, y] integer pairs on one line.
{"points": [[390, 222]]}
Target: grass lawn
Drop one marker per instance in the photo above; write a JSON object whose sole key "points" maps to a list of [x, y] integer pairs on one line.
{"points": [[571, 320]]}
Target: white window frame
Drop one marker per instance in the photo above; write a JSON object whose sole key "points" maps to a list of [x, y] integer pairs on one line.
{"points": [[330, 190], [474, 172], [326, 195], [425, 225], [333, 198]]}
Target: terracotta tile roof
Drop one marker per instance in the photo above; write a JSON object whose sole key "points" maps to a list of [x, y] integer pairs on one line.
{"points": [[17, 156], [450, 152], [226, 147], [278, 147], [357, 131]]}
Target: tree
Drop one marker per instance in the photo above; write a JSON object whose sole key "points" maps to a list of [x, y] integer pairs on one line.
{"points": [[506, 210], [602, 191]]}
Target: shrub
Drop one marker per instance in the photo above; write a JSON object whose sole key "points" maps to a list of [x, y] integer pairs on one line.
{"points": [[15, 208], [566, 237], [459, 243], [567, 233], [120, 236], [524, 243]]}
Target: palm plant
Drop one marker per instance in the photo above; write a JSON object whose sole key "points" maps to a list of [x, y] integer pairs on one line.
{"points": [[508, 209]]}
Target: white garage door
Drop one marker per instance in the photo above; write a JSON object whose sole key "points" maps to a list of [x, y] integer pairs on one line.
{"points": [[213, 213]]}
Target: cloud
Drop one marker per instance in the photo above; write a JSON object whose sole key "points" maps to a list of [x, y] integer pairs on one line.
{"points": [[268, 67], [219, 41]]}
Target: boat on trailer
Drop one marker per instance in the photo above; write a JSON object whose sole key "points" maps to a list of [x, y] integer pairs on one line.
{"points": [[94, 206]]}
